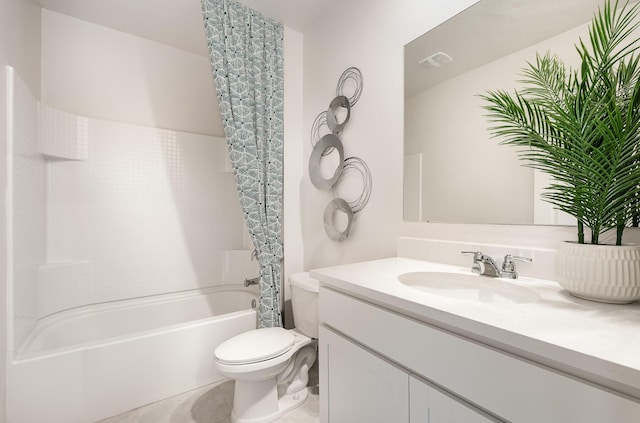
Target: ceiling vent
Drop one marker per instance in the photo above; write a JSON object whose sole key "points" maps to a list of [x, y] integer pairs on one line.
{"points": [[436, 60]]}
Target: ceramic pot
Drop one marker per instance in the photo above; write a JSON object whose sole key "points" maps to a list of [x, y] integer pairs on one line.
{"points": [[604, 273]]}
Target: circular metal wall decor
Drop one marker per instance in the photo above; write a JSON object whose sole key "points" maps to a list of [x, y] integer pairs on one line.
{"points": [[332, 121], [351, 79], [319, 123], [325, 143], [356, 164], [329, 219]]}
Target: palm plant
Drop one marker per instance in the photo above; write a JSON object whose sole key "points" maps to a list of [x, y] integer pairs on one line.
{"points": [[582, 126]]}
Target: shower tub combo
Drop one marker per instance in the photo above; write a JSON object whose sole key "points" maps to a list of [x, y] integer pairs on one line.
{"points": [[146, 211], [93, 362]]}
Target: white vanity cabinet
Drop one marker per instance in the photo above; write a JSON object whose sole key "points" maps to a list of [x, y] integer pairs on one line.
{"points": [[361, 386], [377, 365]]}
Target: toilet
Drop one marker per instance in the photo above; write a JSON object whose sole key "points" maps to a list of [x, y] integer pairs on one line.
{"points": [[270, 366]]}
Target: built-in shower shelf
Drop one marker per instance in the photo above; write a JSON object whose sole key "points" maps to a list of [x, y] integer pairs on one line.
{"points": [[63, 135]]}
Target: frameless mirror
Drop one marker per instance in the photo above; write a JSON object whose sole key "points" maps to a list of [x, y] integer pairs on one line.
{"points": [[453, 170]]}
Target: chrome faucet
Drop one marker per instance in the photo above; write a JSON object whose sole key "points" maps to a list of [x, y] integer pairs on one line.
{"points": [[486, 265], [483, 265], [509, 267]]}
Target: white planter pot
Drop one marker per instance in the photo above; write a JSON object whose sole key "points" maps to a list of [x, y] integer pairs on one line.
{"points": [[605, 273]]}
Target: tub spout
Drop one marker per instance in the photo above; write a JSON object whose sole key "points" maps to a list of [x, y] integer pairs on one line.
{"points": [[252, 281]]}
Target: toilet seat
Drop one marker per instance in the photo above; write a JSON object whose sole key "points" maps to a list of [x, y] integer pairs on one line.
{"points": [[255, 346]]}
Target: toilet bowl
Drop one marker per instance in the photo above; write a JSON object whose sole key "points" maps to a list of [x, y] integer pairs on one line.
{"points": [[270, 366]]}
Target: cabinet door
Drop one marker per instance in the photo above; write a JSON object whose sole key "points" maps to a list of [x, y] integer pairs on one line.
{"points": [[429, 404], [358, 386]]}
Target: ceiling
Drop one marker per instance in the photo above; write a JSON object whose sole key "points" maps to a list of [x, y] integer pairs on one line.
{"points": [[178, 23], [469, 40]]}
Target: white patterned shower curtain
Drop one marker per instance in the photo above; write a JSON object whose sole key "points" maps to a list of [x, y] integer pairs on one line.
{"points": [[246, 52]]}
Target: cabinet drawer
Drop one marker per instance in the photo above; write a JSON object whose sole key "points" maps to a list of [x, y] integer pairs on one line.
{"points": [[510, 387]]}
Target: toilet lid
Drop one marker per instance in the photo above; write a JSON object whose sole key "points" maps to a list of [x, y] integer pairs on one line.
{"points": [[254, 346]]}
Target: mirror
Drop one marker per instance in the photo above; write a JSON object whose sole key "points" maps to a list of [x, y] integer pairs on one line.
{"points": [[453, 170]]}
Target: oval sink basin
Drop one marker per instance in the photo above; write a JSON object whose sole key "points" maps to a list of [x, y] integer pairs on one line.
{"points": [[469, 287]]}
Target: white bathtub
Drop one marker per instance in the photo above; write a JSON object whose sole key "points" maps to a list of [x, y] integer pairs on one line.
{"points": [[94, 362]]}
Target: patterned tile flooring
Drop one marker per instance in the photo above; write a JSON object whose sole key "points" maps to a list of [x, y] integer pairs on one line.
{"points": [[209, 404]]}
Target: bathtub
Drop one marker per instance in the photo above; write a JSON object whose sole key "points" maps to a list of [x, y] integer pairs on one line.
{"points": [[93, 362]]}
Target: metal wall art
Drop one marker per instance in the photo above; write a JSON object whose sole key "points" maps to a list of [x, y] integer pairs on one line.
{"points": [[326, 143], [325, 132]]}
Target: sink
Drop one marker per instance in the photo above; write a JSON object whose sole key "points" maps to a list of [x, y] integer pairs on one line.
{"points": [[469, 287]]}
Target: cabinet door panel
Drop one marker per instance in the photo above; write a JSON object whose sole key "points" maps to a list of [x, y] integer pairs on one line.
{"points": [[430, 405], [359, 386]]}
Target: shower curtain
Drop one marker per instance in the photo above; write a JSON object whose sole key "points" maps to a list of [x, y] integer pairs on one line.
{"points": [[246, 53]]}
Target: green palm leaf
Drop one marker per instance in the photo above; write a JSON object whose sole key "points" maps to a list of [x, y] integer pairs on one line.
{"points": [[582, 127]]}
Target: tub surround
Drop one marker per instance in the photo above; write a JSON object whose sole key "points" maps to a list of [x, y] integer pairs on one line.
{"points": [[594, 342]]}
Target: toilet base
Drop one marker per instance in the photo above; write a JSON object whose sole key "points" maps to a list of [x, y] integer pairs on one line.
{"points": [[256, 414], [264, 401]]}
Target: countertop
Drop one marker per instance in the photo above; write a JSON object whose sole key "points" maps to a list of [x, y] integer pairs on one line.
{"points": [[593, 341]]}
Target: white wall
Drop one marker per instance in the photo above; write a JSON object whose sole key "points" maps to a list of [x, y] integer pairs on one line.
{"points": [[20, 48], [20, 40], [370, 34], [99, 72]]}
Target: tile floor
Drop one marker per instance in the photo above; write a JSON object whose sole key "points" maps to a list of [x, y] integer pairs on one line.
{"points": [[209, 404]]}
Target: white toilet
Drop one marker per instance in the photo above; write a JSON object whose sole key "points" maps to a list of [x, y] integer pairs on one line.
{"points": [[271, 365]]}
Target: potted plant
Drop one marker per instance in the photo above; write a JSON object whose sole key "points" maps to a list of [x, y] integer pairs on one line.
{"points": [[582, 127]]}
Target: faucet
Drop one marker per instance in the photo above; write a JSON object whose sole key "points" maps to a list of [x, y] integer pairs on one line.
{"points": [[509, 267], [252, 281], [486, 265], [483, 265]]}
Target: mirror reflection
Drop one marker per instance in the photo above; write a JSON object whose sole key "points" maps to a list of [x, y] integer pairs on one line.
{"points": [[453, 170]]}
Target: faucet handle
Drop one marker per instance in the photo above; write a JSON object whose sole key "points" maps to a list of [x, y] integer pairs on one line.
{"points": [[508, 263], [509, 267], [477, 255]]}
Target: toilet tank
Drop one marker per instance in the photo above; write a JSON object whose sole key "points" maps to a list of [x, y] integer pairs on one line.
{"points": [[304, 302]]}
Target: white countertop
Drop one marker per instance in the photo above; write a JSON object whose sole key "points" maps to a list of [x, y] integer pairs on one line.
{"points": [[594, 341]]}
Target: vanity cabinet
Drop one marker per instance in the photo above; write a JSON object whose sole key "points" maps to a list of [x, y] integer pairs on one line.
{"points": [[377, 365], [360, 386]]}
